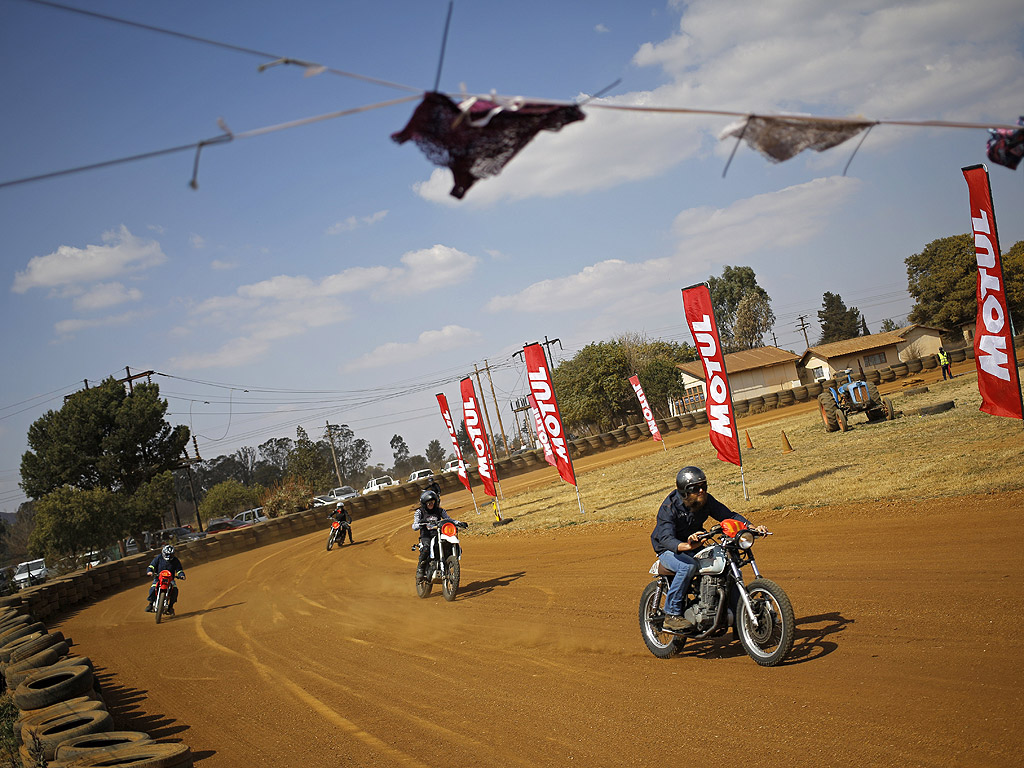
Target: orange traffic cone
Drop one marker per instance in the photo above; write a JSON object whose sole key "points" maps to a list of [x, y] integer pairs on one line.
{"points": [[786, 447], [750, 445]]}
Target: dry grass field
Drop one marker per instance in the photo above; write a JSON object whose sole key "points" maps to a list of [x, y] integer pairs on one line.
{"points": [[962, 451]]}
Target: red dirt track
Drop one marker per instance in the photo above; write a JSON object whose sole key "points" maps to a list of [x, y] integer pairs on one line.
{"points": [[907, 651]]}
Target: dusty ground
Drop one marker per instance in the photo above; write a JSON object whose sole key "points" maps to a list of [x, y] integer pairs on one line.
{"points": [[907, 649]]}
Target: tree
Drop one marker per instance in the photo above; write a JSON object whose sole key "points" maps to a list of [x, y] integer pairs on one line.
{"points": [[727, 293], [103, 437], [307, 463], [888, 325], [593, 387], [754, 318], [70, 521], [400, 451], [273, 462], [229, 498], [353, 453], [837, 322], [465, 444], [435, 455], [943, 281]]}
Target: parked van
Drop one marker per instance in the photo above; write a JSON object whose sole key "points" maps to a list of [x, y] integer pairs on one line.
{"points": [[421, 474], [30, 572], [379, 482]]}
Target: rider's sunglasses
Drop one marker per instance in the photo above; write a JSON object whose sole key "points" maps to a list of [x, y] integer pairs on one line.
{"points": [[697, 487]]}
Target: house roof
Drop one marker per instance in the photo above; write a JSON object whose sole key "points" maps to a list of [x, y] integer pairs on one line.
{"points": [[748, 359], [862, 343]]}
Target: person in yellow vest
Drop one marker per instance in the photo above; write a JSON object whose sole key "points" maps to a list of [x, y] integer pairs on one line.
{"points": [[944, 362]]}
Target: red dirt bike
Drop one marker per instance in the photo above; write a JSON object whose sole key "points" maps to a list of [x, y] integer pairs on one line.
{"points": [[338, 532], [164, 585], [760, 612]]}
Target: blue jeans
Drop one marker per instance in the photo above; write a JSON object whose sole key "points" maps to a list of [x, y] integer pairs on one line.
{"points": [[684, 566]]}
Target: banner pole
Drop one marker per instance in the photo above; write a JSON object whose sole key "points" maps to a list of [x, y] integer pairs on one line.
{"points": [[474, 501], [579, 499]]}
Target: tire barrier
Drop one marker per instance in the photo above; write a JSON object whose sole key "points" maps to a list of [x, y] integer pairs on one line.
{"points": [[900, 369], [786, 397], [771, 400], [675, 423], [687, 421], [874, 377], [62, 715], [887, 374], [813, 390], [800, 394], [957, 356], [701, 417], [929, 363], [915, 366]]}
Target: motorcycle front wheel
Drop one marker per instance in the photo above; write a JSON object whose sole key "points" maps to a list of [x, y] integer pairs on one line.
{"points": [[652, 613], [450, 585], [159, 608], [330, 540], [772, 638]]}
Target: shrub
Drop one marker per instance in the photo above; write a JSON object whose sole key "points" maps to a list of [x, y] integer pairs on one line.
{"points": [[290, 495]]}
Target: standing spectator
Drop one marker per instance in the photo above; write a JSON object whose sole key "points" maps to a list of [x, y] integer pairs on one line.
{"points": [[944, 362]]}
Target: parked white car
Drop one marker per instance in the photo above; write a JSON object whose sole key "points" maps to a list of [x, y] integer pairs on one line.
{"points": [[343, 493], [251, 516], [30, 572], [379, 482], [451, 466], [421, 474]]}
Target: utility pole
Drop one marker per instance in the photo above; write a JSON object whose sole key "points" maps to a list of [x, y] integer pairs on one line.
{"points": [[187, 464], [497, 409], [803, 326], [328, 433], [775, 342], [126, 380], [490, 432]]}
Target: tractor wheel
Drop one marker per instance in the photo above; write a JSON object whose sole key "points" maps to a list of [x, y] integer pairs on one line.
{"points": [[829, 409], [841, 419], [874, 397], [890, 411]]}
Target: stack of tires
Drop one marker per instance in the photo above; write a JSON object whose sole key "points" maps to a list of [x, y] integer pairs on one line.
{"points": [[63, 721]]}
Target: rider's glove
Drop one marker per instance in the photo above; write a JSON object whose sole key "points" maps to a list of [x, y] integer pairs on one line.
{"points": [[180, 575], [150, 571], [461, 524]]}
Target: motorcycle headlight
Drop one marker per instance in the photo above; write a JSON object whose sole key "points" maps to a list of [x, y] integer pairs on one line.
{"points": [[745, 540]]}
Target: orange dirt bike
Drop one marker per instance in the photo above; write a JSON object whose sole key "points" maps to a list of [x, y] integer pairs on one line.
{"points": [[338, 532], [760, 612], [164, 585], [445, 553]]}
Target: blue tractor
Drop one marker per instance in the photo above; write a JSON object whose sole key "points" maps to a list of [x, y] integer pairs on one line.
{"points": [[848, 397]]}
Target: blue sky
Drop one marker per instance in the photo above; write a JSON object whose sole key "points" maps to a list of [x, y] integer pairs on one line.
{"points": [[326, 270]]}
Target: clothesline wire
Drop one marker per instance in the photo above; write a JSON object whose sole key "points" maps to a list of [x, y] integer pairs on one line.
{"points": [[275, 59]]}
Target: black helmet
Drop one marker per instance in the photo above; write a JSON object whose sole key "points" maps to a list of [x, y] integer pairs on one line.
{"points": [[428, 496], [689, 476]]}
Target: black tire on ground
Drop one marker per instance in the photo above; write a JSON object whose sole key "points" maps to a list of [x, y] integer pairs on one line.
{"points": [[915, 391], [651, 615], [828, 408], [770, 641], [54, 712], [929, 410], [7, 650], [97, 743], [34, 646], [47, 687], [151, 755], [54, 733], [450, 585]]}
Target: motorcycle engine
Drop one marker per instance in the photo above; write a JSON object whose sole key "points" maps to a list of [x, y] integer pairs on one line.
{"points": [[703, 612]]}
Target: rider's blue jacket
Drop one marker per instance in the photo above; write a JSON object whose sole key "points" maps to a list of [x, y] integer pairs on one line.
{"points": [[676, 522], [160, 563]]}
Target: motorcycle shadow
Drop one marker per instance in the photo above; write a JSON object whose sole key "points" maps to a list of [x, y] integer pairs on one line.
{"points": [[809, 643], [189, 614], [477, 588]]}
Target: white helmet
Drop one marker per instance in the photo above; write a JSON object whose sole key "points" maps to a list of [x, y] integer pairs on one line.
{"points": [[167, 551]]}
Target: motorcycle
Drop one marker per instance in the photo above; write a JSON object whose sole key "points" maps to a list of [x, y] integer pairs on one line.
{"points": [[445, 554], [164, 585], [760, 612], [338, 532]]}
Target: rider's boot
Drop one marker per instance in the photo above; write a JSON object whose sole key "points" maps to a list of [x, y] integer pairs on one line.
{"points": [[149, 607]]}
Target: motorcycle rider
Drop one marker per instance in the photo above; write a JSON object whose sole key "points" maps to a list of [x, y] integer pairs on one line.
{"points": [[428, 515], [165, 561], [342, 516], [678, 532]]}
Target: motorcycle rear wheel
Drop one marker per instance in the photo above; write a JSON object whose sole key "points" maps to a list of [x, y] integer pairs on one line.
{"points": [[664, 645], [770, 641], [423, 586], [450, 585], [158, 609]]}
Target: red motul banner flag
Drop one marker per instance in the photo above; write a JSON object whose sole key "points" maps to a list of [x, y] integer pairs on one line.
{"points": [[700, 317], [994, 356], [544, 394], [542, 435], [478, 437], [655, 432], [447, 416]]}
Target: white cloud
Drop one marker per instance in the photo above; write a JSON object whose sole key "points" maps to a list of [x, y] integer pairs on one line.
{"points": [[197, 241], [103, 295], [219, 265], [707, 238], [601, 29], [353, 222], [917, 59], [69, 266], [429, 269], [68, 328], [428, 343]]}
